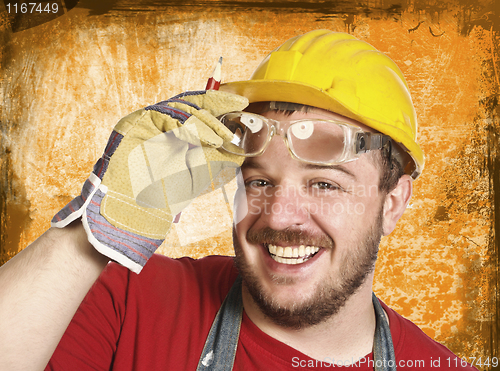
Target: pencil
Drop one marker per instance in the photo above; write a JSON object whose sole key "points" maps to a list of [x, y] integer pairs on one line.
{"points": [[214, 81]]}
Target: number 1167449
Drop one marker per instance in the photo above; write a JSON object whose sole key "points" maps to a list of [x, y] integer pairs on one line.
{"points": [[32, 8]]}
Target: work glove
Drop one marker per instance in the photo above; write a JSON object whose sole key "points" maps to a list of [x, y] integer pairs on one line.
{"points": [[157, 160]]}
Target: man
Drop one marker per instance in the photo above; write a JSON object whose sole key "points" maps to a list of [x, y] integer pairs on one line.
{"points": [[328, 154]]}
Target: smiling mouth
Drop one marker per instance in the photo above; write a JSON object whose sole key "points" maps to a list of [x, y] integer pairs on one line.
{"points": [[291, 255]]}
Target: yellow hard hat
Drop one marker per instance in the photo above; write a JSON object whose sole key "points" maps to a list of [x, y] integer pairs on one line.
{"points": [[339, 73]]}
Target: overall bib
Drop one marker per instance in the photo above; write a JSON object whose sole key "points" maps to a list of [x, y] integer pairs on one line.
{"points": [[220, 347]]}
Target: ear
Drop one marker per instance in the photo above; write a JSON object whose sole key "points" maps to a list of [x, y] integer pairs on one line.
{"points": [[396, 202]]}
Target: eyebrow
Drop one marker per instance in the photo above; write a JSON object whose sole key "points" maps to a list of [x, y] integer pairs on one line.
{"points": [[250, 163], [330, 167]]}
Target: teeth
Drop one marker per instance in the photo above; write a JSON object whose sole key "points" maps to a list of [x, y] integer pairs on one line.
{"points": [[272, 249], [302, 250], [289, 255]]}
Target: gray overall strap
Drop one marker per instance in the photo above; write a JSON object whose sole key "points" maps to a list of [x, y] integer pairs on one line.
{"points": [[220, 347], [383, 349]]}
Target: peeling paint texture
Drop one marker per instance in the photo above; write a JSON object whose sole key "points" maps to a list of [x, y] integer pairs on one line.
{"points": [[68, 77]]}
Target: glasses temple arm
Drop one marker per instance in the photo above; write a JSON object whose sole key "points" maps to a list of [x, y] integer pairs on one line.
{"points": [[371, 141]]}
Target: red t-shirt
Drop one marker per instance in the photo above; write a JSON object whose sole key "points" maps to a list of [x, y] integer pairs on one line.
{"points": [[159, 320]]}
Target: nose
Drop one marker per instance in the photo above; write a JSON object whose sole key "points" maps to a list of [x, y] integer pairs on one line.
{"points": [[283, 207]]}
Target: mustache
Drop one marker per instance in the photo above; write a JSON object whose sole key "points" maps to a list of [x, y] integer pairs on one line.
{"points": [[289, 236]]}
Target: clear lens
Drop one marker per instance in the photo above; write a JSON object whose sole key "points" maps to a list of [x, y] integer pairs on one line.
{"points": [[317, 141], [250, 133], [302, 130], [252, 122]]}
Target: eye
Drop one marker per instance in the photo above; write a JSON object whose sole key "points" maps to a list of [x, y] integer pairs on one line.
{"points": [[254, 123], [257, 183], [326, 186], [303, 129]]}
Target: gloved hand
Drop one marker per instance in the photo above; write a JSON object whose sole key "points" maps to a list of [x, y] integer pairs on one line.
{"points": [[157, 160]]}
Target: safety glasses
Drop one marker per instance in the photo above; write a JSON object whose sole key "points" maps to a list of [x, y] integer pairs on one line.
{"points": [[315, 141]]}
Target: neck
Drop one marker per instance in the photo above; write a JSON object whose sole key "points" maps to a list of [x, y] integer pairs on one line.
{"points": [[346, 336]]}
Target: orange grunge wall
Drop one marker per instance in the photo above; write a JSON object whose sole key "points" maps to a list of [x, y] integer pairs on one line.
{"points": [[69, 77]]}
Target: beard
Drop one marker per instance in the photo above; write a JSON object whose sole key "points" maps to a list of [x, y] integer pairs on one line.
{"points": [[356, 265]]}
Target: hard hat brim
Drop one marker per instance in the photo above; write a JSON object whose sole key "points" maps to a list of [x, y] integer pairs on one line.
{"points": [[285, 91]]}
